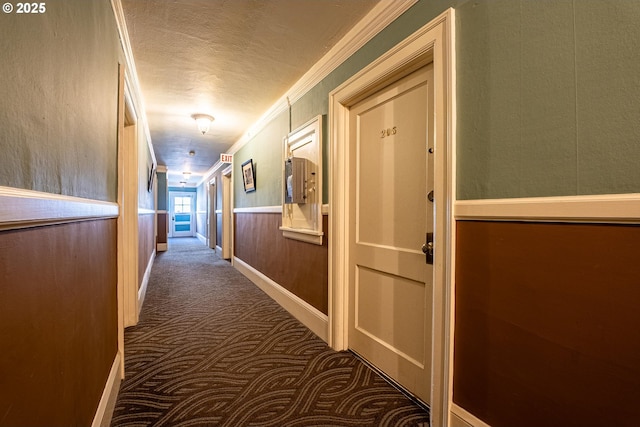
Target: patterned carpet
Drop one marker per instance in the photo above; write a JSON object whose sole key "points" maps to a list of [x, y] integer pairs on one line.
{"points": [[211, 349]]}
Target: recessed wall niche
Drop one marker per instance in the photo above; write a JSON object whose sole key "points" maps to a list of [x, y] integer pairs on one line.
{"points": [[302, 183]]}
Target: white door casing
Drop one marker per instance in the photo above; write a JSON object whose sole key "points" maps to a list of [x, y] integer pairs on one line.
{"points": [[128, 201], [227, 214], [390, 284], [182, 212], [212, 223], [432, 43]]}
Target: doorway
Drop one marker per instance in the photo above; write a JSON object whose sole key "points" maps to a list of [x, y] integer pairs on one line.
{"points": [[432, 44], [182, 213]]}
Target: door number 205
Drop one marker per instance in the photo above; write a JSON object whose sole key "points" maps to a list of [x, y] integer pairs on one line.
{"points": [[388, 132]]}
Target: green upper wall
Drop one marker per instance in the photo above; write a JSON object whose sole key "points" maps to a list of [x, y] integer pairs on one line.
{"points": [[58, 100], [265, 149], [548, 99], [163, 191]]}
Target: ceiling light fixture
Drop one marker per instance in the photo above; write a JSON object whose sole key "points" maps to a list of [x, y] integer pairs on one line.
{"points": [[203, 121]]}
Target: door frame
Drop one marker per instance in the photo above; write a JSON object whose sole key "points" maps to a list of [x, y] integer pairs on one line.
{"points": [[227, 213], [128, 201], [432, 43], [212, 227], [172, 213]]}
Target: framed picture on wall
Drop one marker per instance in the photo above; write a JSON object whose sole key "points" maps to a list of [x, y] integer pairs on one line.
{"points": [[152, 174], [248, 176]]}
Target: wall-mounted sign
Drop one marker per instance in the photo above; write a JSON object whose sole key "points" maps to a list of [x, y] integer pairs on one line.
{"points": [[226, 158]]}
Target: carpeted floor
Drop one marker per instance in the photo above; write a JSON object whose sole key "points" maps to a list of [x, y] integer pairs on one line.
{"points": [[211, 349]]}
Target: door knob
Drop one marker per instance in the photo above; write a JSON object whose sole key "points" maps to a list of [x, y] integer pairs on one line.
{"points": [[427, 248]]}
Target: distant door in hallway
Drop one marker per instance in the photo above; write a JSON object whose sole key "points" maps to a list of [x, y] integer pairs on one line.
{"points": [[182, 215], [391, 285]]}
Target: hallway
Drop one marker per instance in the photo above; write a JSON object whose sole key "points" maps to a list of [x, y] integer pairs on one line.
{"points": [[212, 349]]}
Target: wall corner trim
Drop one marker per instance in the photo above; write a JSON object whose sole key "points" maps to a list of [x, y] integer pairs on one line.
{"points": [[27, 208], [110, 392], [609, 208], [311, 317]]}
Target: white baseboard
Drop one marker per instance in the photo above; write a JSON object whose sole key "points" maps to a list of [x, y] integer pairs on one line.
{"points": [[310, 316], [461, 418], [218, 250], [142, 292], [105, 410], [202, 238]]}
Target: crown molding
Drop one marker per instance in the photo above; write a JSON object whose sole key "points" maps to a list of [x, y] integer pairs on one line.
{"points": [[131, 73], [383, 14]]}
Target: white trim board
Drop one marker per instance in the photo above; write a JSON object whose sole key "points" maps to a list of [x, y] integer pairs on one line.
{"points": [[260, 209], [310, 316], [111, 387], [269, 209], [145, 211], [27, 208], [623, 208]]}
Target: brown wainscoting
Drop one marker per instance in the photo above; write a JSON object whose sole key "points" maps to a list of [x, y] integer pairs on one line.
{"points": [[58, 322], [146, 235], [219, 230], [162, 227], [299, 267], [547, 330]]}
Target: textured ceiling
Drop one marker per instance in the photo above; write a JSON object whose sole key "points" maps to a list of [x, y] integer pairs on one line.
{"points": [[231, 59]]}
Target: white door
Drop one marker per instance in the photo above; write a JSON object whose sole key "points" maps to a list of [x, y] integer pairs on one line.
{"points": [[182, 214], [391, 284]]}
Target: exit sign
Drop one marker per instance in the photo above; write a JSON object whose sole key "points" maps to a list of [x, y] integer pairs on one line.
{"points": [[226, 158]]}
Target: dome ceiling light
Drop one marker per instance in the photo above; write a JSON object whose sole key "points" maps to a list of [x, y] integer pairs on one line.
{"points": [[203, 121]]}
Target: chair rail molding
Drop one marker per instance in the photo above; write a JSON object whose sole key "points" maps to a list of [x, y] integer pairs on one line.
{"points": [[28, 208], [616, 208]]}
